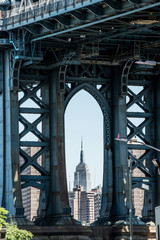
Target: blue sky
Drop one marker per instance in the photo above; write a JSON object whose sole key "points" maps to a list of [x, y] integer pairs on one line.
{"points": [[83, 118]]}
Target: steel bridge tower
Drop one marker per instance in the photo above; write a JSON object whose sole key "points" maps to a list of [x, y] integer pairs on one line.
{"points": [[50, 50]]}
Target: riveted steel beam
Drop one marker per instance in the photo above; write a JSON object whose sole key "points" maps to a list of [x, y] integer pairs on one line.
{"points": [[114, 4], [62, 20], [141, 155], [32, 184], [97, 10], [79, 15], [97, 22]]}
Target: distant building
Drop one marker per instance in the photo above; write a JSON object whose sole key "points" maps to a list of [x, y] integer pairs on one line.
{"points": [[97, 201], [82, 174], [85, 205], [30, 195], [137, 193]]}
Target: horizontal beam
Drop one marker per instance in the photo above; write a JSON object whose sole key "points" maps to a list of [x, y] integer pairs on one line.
{"points": [[26, 178], [142, 179], [139, 114], [24, 77], [137, 146], [97, 22], [33, 144], [33, 110], [136, 82], [82, 79]]}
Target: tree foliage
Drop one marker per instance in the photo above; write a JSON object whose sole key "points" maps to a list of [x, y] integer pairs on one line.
{"points": [[12, 231], [3, 213]]}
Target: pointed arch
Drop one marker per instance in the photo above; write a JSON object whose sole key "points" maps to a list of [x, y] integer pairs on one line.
{"points": [[100, 100], [107, 194]]}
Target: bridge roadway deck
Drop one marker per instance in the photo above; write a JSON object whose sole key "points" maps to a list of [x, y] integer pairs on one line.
{"points": [[47, 19], [92, 233]]}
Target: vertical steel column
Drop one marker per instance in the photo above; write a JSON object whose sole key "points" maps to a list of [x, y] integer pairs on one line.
{"points": [[8, 120], [157, 136], [45, 155], [6, 194], [148, 211], [107, 190], [58, 200], [120, 165], [2, 129], [15, 153]]}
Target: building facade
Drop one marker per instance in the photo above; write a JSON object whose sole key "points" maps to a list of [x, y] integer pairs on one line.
{"points": [[30, 195], [85, 202], [85, 206], [137, 193], [82, 174]]}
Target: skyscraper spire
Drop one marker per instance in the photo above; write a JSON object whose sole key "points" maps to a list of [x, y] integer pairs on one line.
{"points": [[81, 154], [82, 174], [81, 144]]}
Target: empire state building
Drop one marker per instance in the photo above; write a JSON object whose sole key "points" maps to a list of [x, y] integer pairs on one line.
{"points": [[82, 174]]}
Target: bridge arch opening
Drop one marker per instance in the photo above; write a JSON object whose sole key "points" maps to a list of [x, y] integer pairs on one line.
{"points": [[84, 120]]}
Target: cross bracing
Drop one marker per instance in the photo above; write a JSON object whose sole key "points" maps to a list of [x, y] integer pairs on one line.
{"points": [[51, 50]]}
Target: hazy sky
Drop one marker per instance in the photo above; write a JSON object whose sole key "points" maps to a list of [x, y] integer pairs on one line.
{"points": [[83, 118]]}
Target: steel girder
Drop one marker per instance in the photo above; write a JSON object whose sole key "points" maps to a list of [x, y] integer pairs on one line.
{"points": [[71, 31], [142, 105], [44, 97], [8, 188], [98, 22], [55, 10], [104, 83], [37, 91]]}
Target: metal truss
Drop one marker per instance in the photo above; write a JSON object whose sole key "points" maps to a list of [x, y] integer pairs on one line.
{"points": [[140, 124], [31, 91], [108, 85], [89, 45], [34, 10], [96, 80], [53, 19]]}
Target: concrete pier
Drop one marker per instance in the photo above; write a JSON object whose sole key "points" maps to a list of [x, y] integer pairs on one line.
{"points": [[92, 233]]}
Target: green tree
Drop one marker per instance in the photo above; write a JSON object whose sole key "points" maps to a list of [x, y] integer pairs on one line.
{"points": [[3, 213], [12, 231]]}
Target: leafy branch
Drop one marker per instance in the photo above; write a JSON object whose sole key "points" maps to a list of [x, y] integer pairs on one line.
{"points": [[12, 231]]}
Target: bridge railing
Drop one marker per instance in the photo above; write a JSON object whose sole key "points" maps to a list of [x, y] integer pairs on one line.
{"points": [[37, 9]]}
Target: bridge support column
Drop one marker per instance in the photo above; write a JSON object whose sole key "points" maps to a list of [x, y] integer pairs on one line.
{"points": [[119, 211], [157, 139], [6, 186], [58, 210], [59, 196], [15, 154], [151, 135]]}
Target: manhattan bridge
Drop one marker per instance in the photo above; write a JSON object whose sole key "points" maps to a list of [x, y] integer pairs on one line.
{"points": [[50, 50]]}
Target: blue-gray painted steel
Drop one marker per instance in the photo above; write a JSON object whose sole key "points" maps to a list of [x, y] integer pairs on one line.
{"points": [[18, 74], [58, 203], [120, 195], [6, 159], [2, 131], [157, 137], [97, 22], [107, 192]]}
